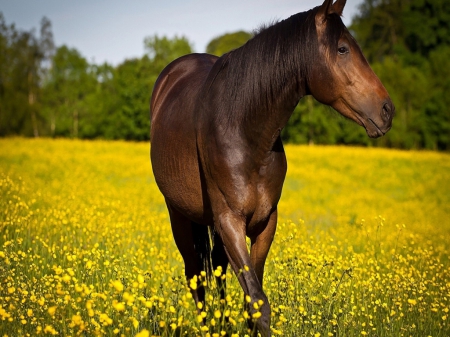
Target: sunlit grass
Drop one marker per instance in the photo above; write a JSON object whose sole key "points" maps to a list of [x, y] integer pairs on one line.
{"points": [[86, 247]]}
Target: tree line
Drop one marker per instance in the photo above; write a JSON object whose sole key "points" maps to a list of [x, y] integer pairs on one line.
{"points": [[53, 91]]}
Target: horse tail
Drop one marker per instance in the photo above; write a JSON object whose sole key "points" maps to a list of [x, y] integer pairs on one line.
{"points": [[203, 242]]}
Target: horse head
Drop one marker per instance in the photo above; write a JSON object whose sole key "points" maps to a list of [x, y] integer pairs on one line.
{"points": [[341, 76]]}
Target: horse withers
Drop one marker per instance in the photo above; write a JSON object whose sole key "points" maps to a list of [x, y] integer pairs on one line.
{"points": [[216, 150]]}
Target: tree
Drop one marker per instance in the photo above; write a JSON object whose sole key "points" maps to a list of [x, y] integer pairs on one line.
{"points": [[162, 51], [426, 25], [20, 81], [103, 103], [69, 84], [378, 29], [21, 64], [227, 42], [133, 82], [407, 43], [311, 123]]}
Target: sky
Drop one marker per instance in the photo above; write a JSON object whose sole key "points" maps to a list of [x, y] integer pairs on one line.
{"points": [[114, 30]]}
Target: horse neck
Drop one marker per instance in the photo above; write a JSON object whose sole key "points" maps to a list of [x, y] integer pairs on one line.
{"points": [[263, 128], [267, 77]]}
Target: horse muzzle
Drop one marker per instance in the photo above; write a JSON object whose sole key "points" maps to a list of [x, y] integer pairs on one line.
{"points": [[382, 123]]}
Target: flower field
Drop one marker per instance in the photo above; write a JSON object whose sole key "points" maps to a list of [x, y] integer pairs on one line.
{"points": [[362, 246]]}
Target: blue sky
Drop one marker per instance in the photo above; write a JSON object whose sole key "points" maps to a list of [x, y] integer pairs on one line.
{"points": [[113, 30]]}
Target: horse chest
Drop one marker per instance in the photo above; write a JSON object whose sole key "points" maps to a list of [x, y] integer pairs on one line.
{"points": [[267, 193], [253, 193]]}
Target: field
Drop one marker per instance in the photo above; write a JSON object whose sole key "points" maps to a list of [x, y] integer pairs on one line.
{"points": [[362, 247]]}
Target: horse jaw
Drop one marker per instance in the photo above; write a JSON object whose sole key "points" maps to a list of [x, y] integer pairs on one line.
{"points": [[375, 127]]}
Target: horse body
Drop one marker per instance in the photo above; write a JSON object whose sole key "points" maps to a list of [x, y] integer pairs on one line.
{"points": [[249, 175], [216, 150]]}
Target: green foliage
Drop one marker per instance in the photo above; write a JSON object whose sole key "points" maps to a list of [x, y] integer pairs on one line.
{"points": [[66, 92], [21, 57], [130, 120], [408, 45], [227, 42], [44, 92], [162, 51]]}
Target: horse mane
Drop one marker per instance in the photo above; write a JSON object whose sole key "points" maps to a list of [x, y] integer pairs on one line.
{"points": [[278, 56]]}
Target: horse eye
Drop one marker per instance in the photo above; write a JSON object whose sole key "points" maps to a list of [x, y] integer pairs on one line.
{"points": [[342, 50]]}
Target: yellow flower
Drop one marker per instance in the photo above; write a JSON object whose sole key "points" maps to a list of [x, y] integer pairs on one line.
{"points": [[50, 329], [143, 333], [193, 283], [117, 285], [119, 306], [412, 302], [256, 315], [77, 320], [52, 310], [140, 279], [105, 319]]}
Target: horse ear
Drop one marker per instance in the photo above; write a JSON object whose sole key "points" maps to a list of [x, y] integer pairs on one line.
{"points": [[338, 7], [325, 9]]}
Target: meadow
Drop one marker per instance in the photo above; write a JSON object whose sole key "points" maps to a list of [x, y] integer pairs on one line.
{"points": [[362, 246]]}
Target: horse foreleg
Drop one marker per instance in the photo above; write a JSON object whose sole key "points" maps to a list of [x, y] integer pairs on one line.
{"points": [[231, 228], [260, 245]]}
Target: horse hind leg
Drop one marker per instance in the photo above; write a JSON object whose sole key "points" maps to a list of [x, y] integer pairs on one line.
{"points": [[192, 241], [220, 259]]}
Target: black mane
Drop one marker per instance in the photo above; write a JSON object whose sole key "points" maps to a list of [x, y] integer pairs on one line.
{"points": [[278, 56]]}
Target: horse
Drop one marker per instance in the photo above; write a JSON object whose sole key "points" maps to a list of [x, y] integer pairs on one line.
{"points": [[216, 151]]}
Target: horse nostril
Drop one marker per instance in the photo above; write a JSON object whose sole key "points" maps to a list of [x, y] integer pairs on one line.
{"points": [[388, 109]]}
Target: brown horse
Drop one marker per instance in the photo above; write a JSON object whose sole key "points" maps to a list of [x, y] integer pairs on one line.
{"points": [[216, 150]]}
